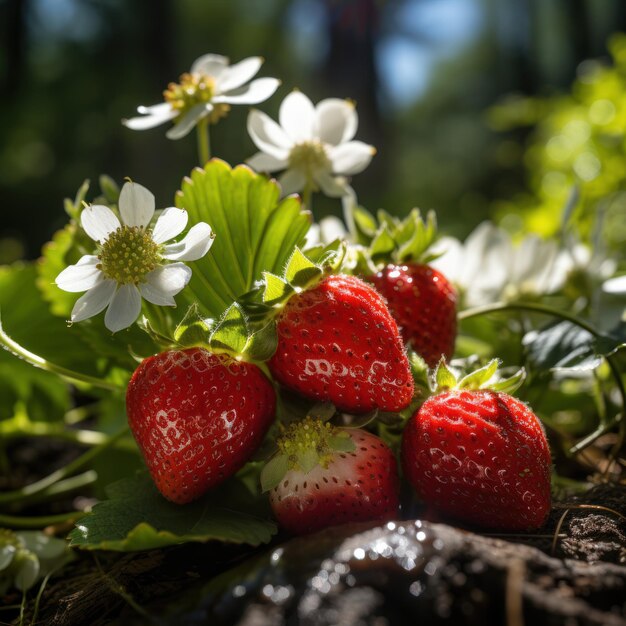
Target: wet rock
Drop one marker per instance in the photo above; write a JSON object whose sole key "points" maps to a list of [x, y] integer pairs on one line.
{"points": [[408, 572]]}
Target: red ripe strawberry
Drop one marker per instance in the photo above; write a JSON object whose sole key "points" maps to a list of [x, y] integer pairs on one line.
{"points": [[423, 303], [197, 417], [355, 485], [480, 456], [337, 342]]}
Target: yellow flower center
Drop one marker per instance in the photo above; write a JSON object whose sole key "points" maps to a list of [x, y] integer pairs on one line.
{"points": [[194, 89], [308, 434], [309, 157], [128, 255]]}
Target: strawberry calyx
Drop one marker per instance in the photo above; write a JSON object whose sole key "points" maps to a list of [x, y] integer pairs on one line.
{"points": [[303, 446], [384, 239], [487, 377]]}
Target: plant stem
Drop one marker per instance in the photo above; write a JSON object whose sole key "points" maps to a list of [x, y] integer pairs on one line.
{"points": [[534, 307], [15, 521], [19, 351], [62, 473], [307, 196], [204, 141]]}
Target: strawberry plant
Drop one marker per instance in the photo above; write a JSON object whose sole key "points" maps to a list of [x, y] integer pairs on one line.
{"points": [[223, 372]]}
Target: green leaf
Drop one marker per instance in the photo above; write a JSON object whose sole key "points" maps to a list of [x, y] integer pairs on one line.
{"points": [[27, 570], [609, 343], [480, 377], [193, 329], [444, 376], [341, 443], [364, 224], [510, 385], [137, 517], [307, 460], [276, 289], [300, 270], [383, 244], [322, 411], [254, 232], [110, 189], [561, 346], [231, 331], [263, 343], [274, 471]]}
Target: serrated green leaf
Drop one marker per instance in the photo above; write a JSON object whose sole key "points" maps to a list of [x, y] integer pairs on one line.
{"points": [[561, 346], [27, 570], [480, 377], [341, 443], [254, 232], [276, 289], [274, 471], [231, 331], [137, 517], [422, 235], [263, 343], [193, 329], [609, 343], [444, 376], [300, 270]]}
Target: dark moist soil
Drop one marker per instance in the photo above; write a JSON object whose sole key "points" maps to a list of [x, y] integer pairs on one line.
{"points": [[571, 572]]}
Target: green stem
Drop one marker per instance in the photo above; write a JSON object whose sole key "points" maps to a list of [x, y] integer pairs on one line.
{"points": [[62, 473], [307, 196], [17, 521], [547, 310], [204, 141], [76, 377]]}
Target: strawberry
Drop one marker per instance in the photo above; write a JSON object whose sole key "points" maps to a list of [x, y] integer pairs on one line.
{"points": [[332, 476], [197, 417], [423, 303], [481, 456], [337, 342]]}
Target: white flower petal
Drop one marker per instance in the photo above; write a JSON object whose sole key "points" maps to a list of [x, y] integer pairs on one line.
{"points": [[210, 65], [297, 116], [94, 301], [291, 181], [350, 158], [268, 136], [189, 120], [99, 222], [124, 308], [332, 186], [257, 91], [170, 224], [166, 281], [80, 277], [151, 116], [332, 228], [154, 109], [193, 247], [238, 74], [136, 205], [336, 121], [615, 285], [262, 162]]}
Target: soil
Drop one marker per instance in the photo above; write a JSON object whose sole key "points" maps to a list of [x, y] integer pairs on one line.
{"points": [[572, 572]]}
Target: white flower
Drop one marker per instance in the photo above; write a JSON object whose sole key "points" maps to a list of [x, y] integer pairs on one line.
{"points": [[313, 143], [489, 267], [209, 89], [131, 263]]}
